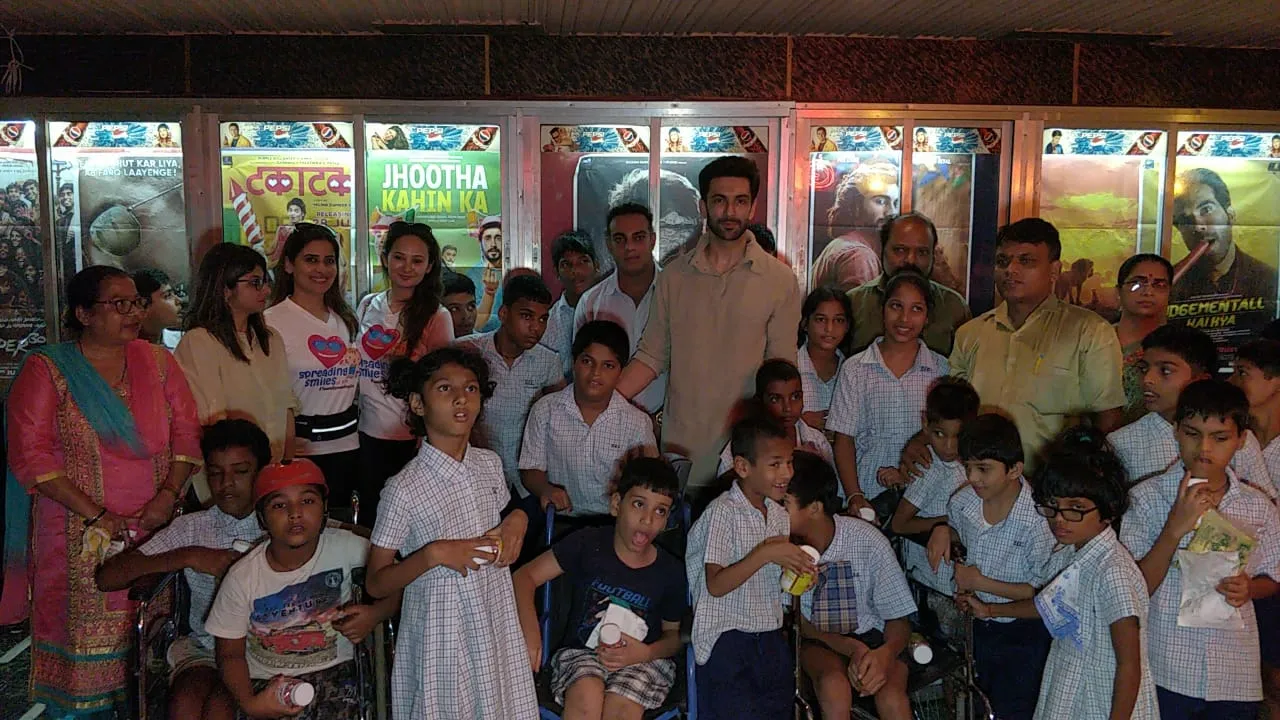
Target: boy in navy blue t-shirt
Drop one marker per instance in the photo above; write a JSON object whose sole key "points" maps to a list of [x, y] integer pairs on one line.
{"points": [[618, 579]]}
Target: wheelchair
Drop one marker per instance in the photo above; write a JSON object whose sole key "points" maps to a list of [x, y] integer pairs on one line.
{"points": [[681, 700], [164, 604]]}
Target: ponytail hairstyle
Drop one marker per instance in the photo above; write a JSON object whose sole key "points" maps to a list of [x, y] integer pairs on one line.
{"points": [[220, 270], [407, 377], [425, 301], [1081, 463], [303, 234]]}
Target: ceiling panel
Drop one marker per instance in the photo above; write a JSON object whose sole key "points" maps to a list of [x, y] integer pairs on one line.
{"points": [[1247, 23]]}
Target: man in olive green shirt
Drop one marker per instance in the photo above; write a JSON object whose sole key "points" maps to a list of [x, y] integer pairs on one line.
{"points": [[908, 242], [721, 309], [1043, 362]]}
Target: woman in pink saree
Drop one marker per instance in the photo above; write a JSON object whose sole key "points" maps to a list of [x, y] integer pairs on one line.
{"points": [[102, 431]]}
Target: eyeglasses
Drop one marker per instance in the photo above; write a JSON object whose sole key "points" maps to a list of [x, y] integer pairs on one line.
{"points": [[124, 306], [256, 282], [1068, 514]]}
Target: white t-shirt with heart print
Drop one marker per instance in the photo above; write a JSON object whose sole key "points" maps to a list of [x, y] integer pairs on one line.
{"points": [[324, 367]]}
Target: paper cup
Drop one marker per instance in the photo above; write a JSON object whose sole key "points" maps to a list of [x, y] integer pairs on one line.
{"points": [[610, 634], [487, 548], [867, 514], [798, 584]]}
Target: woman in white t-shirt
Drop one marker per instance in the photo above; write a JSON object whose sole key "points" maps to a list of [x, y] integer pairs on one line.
{"points": [[309, 312], [406, 320]]}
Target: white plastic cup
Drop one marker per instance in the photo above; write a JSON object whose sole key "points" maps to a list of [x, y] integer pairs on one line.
{"points": [[610, 634], [241, 546], [920, 650], [867, 514], [479, 560], [795, 584], [296, 693]]}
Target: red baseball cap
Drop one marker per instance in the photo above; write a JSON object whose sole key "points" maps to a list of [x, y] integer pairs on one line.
{"points": [[278, 476]]}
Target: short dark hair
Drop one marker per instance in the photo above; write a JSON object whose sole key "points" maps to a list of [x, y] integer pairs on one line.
{"points": [[887, 228], [732, 166], [1056, 133], [814, 481], [525, 286], [234, 433], [764, 238], [578, 241], [627, 208], [82, 292], [66, 187], [1032, 231], [448, 247], [951, 398], [1194, 346], [813, 301], [912, 278], [298, 203], [149, 280], [603, 332], [1213, 398], [1126, 267], [405, 377], [745, 437], [455, 283], [648, 473], [991, 436], [1265, 354], [772, 371], [1081, 463]]}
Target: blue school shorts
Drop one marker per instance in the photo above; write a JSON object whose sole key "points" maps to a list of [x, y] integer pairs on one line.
{"points": [[749, 676], [1009, 659], [1180, 707]]}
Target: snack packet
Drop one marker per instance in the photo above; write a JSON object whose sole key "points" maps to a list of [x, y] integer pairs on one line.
{"points": [[1215, 533]]}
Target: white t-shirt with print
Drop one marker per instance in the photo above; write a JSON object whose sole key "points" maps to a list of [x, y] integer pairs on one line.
{"points": [[287, 617], [323, 367]]}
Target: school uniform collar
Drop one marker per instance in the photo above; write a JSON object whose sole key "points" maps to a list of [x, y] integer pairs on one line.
{"points": [[803, 361], [437, 462], [1098, 547], [1022, 512], [753, 259], [1051, 306], [737, 497], [924, 356], [569, 405]]}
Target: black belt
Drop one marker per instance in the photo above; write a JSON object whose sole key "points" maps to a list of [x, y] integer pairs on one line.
{"points": [[321, 428]]}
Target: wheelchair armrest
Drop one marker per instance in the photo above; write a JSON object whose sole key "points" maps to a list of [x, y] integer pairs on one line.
{"points": [[146, 588]]}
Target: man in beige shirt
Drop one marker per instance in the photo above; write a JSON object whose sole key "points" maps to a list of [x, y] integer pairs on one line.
{"points": [[721, 310], [1042, 361], [909, 242]]}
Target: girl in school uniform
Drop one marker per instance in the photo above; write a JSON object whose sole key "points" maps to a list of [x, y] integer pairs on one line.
{"points": [[823, 342], [318, 328], [460, 652], [1096, 609]]}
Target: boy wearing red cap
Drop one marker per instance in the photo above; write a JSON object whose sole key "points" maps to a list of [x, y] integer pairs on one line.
{"points": [[284, 613]]}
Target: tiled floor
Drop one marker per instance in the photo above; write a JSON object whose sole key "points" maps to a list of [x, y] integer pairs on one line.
{"points": [[14, 701]]}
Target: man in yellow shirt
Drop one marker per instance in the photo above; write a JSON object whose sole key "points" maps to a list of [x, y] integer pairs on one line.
{"points": [[1044, 362]]}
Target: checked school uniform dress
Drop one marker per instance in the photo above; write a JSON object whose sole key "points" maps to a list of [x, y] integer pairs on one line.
{"points": [[460, 652]]}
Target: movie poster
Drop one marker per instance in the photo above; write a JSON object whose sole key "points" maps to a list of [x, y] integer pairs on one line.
{"points": [[1101, 189], [278, 174], [450, 178], [588, 169], [118, 198], [854, 188], [22, 323], [956, 184], [1226, 214]]}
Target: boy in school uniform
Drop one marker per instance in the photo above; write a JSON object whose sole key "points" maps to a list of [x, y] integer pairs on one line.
{"points": [[1203, 672], [576, 438], [1008, 547], [1257, 373], [855, 617], [736, 553], [780, 394], [950, 404], [1173, 358], [521, 370], [574, 257], [620, 567], [200, 545]]}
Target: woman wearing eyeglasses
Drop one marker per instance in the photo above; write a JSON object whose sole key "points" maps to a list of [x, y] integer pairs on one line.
{"points": [[405, 320], [1143, 282], [102, 432], [235, 363], [318, 329]]}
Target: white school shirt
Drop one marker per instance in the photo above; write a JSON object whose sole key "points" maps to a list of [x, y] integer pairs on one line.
{"points": [[515, 388], [817, 392], [930, 494], [381, 340], [210, 528], [324, 367], [879, 411], [583, 458], [1204, 663], [1017, 549], [1271, 458], [728, 530], [807, 439], [459, 649], [559, 334], [1078, 682], [606, 301], [1147, 447], [287, 618]]}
